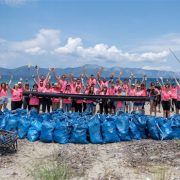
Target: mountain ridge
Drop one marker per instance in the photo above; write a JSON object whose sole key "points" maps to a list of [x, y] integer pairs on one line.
{"points": [[25, 71]]}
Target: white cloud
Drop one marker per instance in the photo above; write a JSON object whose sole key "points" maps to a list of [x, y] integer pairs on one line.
{"points": [[44, 41], [166, 68], [13, 2], [46, 48]]}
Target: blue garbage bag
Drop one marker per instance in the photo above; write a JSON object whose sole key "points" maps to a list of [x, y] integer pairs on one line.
{"points": [[79, 133], [175, 133], [133, 131], [23, 126], [36, 125], [11, 123], [3, 122], [165, 130], [61, 133], [109, 132], [153, 128], [141, 123], [94, 128], [33, 134], [122, 126], [175, 120], [47, 131]]}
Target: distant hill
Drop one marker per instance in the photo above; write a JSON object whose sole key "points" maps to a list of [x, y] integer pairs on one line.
{"points": [[90, 69]]}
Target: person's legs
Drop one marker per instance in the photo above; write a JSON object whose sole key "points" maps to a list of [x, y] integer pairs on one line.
{"points": [[43, 101]]}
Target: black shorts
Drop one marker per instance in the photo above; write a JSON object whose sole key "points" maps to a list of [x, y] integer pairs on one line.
{"points": [[166, 105], [178, 104]]}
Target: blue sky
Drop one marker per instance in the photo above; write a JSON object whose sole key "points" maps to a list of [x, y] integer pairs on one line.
{"points": [[63, 33]]}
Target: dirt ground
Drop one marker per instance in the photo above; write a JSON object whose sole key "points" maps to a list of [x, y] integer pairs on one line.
{"points": [[140, 160]]}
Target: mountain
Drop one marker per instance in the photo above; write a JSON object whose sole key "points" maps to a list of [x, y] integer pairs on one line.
{"points": [[26, 72]]}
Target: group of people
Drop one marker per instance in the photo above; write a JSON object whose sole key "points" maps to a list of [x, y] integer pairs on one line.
{"points": [[160, 93]]}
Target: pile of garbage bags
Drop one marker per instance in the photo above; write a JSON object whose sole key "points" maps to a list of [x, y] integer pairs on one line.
{"points": [[63, 127]]}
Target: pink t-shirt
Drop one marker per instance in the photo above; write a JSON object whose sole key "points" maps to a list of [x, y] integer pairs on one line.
{"points": [[111, 91], [88, 101], [56, 91], [165, 95], [16, 95], [3, 93], [47, 90], [44, 83], [91, 81], [132, 92], [67, 101], [174, 93], [102, 84], [34, 101], [63, 84]]}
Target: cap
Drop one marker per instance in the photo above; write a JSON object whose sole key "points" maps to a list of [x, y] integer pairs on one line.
{"points": [[19, 82]]}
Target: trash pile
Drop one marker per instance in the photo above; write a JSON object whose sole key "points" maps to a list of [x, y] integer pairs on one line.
{"points": [[82, 128]]}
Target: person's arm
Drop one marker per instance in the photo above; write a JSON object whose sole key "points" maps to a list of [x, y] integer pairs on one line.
{"points": [[120, 75], [48, 75], [177, 83], [161, 78], [55, 75], [37, 72]]}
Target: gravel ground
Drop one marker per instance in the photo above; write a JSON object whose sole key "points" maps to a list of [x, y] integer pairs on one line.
{"points": [[145, 159]]}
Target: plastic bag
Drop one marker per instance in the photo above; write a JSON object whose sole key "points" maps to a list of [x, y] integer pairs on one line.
{"points": [[79, 133], [62, 132], [109, 132], [133, 131], [33, 134], [23, 127], [122, 126], [47, 131], [11, 123], [153, 128], [94, 128]]}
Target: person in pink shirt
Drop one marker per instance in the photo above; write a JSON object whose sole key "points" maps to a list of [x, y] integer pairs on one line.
{"points": [[111, 104], [67, 102], [103, 105], [91, 80], [3, 95], [46, 105], [34, 100], [78, 102], [16, 97], [90, 103], [166, 96], [61, 81], [178, 95], [174, 98], [55, 101], [120, 105], [138, 104]]}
